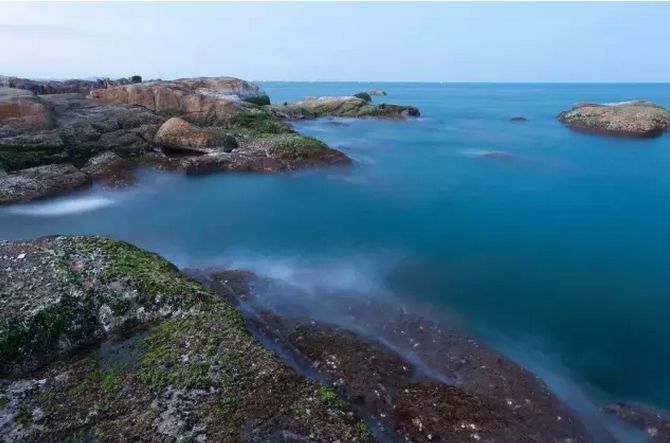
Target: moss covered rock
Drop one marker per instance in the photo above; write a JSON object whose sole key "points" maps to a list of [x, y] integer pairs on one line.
{"points": [[159, 357]]}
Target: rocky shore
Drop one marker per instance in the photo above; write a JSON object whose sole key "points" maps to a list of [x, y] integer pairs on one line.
{"points": [[57, 136], [102, 341], [637, 118]]}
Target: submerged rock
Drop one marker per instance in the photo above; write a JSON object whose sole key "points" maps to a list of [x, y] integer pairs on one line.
{"points": [[518, 119], [344, 106], [636, 118], [158, 356], [415, 379], [654, 423]]}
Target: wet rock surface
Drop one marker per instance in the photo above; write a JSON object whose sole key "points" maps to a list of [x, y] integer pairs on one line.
{"points": [[198, 125], [41, 181], [342, 106], [637, 118], [414, 379], [101, 341], [654, 423]]}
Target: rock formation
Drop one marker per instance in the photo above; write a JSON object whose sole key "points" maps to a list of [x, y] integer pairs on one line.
{"points": [[415, 379], [344, 106], [636, 118], [63, 86], [101, 341], [192, 125]]}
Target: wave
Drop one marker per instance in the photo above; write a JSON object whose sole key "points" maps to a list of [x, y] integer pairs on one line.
{"points": [[66, 206]]}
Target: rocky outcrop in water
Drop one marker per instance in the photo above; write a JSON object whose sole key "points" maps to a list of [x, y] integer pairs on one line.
{"points": [[343, 106], [101, 341], [636, 118], [412, 378], [655, 424], [192, 125]]}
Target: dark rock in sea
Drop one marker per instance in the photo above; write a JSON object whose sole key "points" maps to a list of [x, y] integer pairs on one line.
{"points": [[502, 155], [364, 96], [636, 118], [654, 423], [413, 378], [217, 124], [102, 341], [344, 106], [518, 119]]}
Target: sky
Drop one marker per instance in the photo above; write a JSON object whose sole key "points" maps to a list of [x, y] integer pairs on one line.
{"points": [[451, 42]]}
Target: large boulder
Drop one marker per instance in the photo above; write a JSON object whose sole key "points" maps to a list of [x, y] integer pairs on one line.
{"points": [[211, 100], [21, 109], [101, 341], [341, 106], [177, 134], [40, 181], [636, 118]]}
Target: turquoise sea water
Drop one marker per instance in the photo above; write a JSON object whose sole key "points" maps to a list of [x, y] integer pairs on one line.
{"points": [[558, 254]]}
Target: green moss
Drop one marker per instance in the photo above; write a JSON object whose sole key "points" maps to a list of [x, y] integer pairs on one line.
{"points": [[110, 380], [22, 418], [158, 281], [363, 430], [297, 147], [78, 437], [331, 399], [262, 100], [117, 304], [15, 159], [71, 318], [62, 268], [3, 403], [4, 198], [260, 121]]}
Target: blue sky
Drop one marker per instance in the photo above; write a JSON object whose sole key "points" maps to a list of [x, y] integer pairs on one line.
{"points": [[496, 42]]}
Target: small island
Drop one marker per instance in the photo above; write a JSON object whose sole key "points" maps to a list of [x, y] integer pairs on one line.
{"points": [[637, 118]]}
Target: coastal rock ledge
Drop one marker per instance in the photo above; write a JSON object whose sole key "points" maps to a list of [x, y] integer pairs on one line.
{"points": [[637, 118], [105, 130], [101, 341]]}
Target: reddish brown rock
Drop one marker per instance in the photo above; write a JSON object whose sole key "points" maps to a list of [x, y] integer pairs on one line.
{"points": [[21, 109], [199, 99]]}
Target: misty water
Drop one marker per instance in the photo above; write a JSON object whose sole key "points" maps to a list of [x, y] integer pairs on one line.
{"points": [[555, 253]]}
